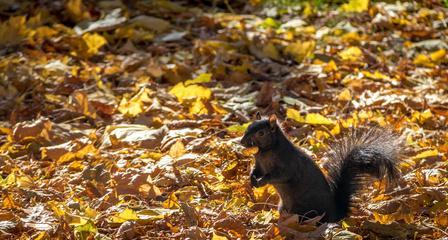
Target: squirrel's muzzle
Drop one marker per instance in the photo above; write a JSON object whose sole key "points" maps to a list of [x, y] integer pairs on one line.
{"points": [[246, 141]]}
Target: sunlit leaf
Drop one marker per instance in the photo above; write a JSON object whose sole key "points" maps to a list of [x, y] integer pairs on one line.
{"points": [[135, 105], [355, 6], [351, 54], [171, 202], [125, 215], [426, 154], [177, 150], [192, 91], [85, 230], [310, 118], [202, 78], [94, 42], [238, 128], [345, 95], [300, 50]]}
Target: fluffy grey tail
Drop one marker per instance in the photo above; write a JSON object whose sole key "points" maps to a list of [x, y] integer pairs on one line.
{"points": [[373, 152]]}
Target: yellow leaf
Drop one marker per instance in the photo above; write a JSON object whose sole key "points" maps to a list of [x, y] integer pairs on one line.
{"points": [[437, 55], [355, 6], [351, 37], [423, 60], [94, 42], [77, 11], [384, 218], [308, 9], [42, 236], [426, 154], [171, 202], [136, 104], [263, 193], [8, 202], [24, 181], [10, 180], [177, 150], [198, 107], [90, 212], [76, 166], [336, 130], [310, 118], [82, 105], [202, 78], [218, 237], [300, 50], [426, 114], [331, 67], [350, 54], [56, 208], [125, 215], [376, 75], [238, 128], [182, 92], [345, 95]]}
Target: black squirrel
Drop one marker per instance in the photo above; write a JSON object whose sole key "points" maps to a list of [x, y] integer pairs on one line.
{"points": [[301, 185]]}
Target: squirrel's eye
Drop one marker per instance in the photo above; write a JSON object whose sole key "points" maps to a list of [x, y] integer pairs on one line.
{"points": [[260, 133]]}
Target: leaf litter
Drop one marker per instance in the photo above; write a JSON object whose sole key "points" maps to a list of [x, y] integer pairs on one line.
{"points": [[123, 119]]}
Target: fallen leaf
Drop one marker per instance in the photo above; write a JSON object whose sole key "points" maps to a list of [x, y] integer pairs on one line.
{"points": [[351, 54], [355, 6], [310, 118]]}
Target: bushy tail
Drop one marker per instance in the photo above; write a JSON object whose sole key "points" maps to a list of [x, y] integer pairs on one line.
{"points": [[373, 152]]}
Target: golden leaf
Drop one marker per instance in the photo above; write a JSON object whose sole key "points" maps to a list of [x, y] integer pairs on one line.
{"points": [[426, 154], [125, 215], [202, 78], [310, 118], [136, 104], [423, 60], [355, 6], [218, 237], [77, 11], [94, 42], [238, 128], [182, 92], [345, 95], [350, 54], [438, 55], [8, 202], [177, 150], [198, 107], [300, 50], [171, 202]]}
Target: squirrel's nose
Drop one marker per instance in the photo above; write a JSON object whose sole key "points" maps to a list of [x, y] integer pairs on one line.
{"points": [[245, 141]]}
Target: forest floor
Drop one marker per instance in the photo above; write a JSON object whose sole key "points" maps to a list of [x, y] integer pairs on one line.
{"points": [[124, 120]]}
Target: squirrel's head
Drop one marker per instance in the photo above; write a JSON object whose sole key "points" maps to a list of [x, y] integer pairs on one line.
{"points": [[262, 133]]}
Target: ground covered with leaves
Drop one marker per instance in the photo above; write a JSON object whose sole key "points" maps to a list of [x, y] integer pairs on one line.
{"points": [[122, 119]]}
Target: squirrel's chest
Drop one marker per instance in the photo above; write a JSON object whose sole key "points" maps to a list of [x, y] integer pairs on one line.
{"points": [[267, 161]]}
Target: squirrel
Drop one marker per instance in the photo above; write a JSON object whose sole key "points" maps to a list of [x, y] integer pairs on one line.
{"points": [[301, 185]]}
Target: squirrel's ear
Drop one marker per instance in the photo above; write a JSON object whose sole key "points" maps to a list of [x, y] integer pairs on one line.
{"points": [[273, 120], [258, 116]]}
